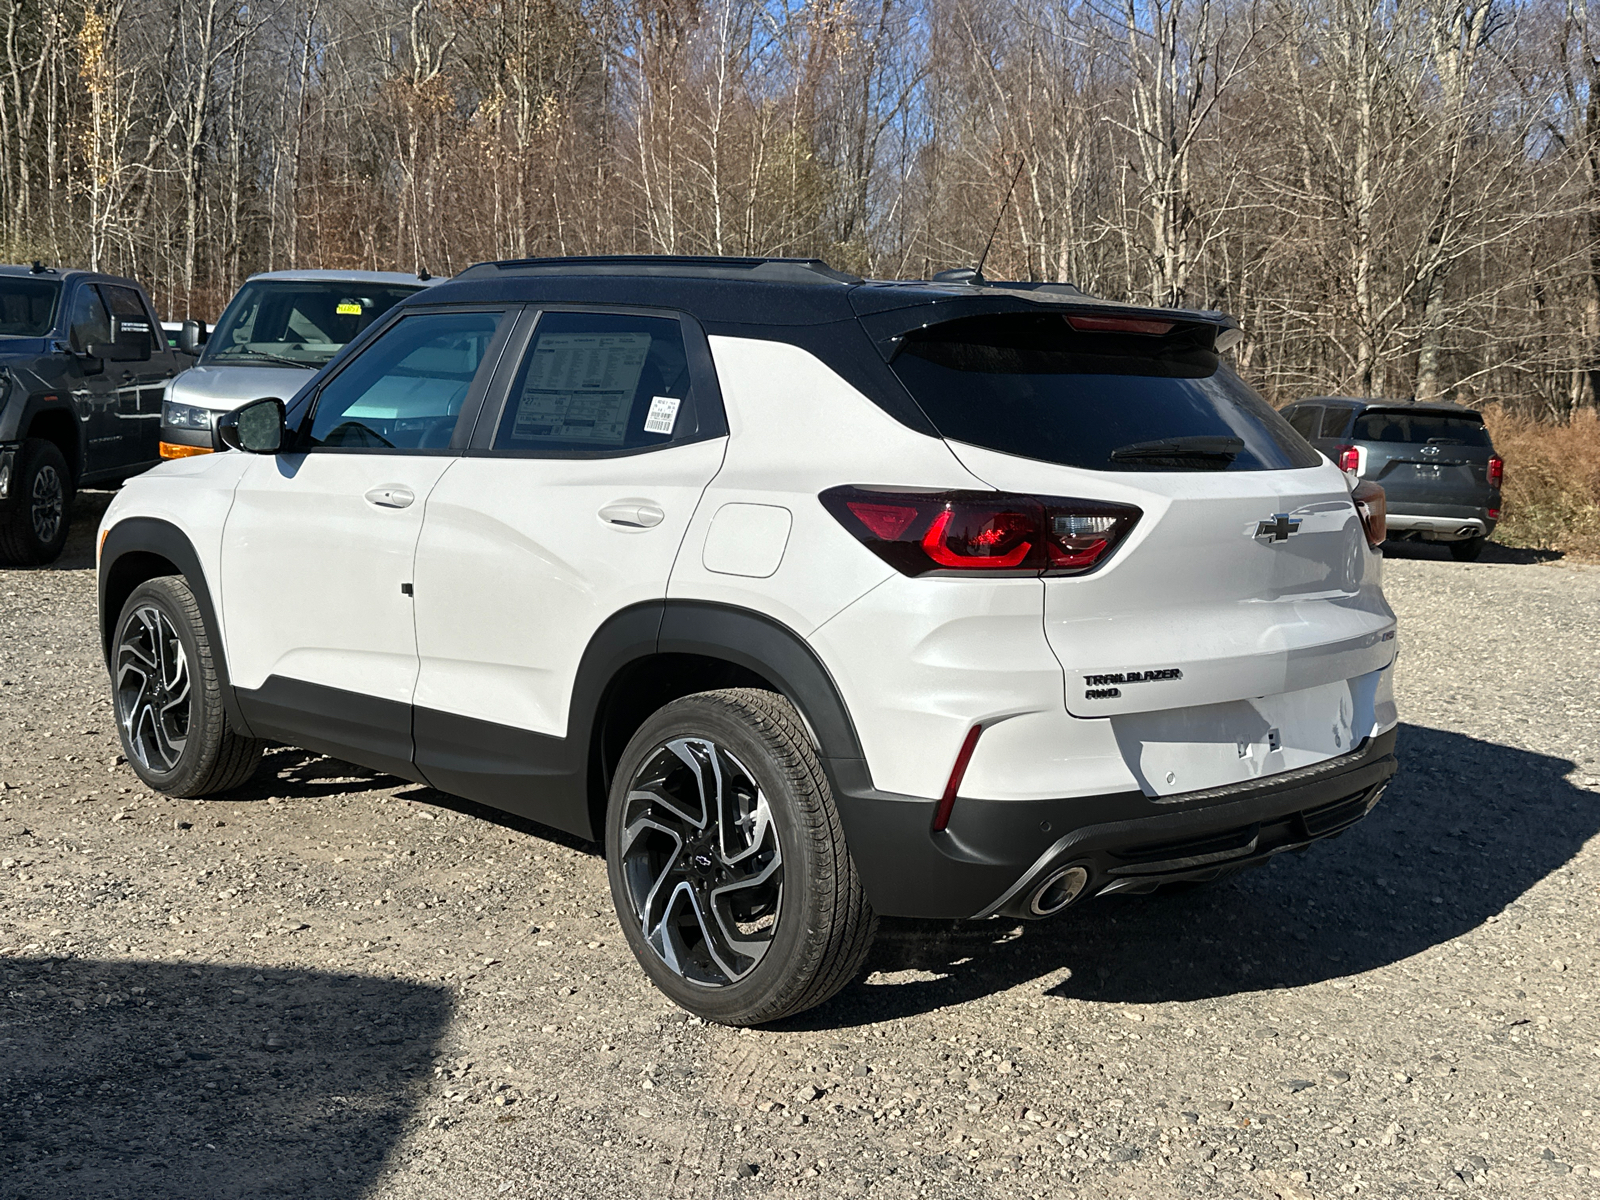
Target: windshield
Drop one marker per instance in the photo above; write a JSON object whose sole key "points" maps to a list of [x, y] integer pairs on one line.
{"points": [[296, 324], [1419, 428], [28, 306], [1034, 386]]}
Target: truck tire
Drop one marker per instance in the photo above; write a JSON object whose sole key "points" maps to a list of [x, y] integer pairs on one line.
{"points": [[35, 518]]}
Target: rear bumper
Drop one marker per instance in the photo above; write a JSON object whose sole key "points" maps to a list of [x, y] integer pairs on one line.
{"points": [[1451, 527], [996, 852]]}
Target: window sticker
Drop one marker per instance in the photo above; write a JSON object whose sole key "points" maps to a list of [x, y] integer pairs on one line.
{"points": [[580, 387], [663, 414], [348, 308]]}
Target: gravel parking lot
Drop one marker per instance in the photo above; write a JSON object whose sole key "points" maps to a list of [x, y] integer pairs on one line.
{"points": [[336, 985]]}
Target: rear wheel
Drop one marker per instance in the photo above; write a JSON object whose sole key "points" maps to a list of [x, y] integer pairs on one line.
{"points": [[1467, 550], [728, 863], [170, 717], [34, 519]]}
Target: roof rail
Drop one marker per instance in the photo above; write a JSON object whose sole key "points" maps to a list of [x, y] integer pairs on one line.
{"points": [[682, 266]]}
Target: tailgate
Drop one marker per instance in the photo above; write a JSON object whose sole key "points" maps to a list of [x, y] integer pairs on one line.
{"points": [[1234, 585]]}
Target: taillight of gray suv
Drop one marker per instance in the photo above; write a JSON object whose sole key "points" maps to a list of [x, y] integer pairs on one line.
{"points": [[1435, 463]]}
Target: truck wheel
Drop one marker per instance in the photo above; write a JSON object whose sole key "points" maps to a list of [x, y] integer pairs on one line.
{"points": [[1467, 550], [34, 520], [174, 729], [728, 863]]}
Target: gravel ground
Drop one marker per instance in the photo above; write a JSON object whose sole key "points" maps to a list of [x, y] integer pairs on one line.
{"points": [[336, 985]]}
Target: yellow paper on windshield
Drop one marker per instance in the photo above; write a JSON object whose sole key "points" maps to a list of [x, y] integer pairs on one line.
{"points": [[348, 308]]}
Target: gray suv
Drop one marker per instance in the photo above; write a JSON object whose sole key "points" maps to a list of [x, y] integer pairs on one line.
{"points": [[1435, 463]]}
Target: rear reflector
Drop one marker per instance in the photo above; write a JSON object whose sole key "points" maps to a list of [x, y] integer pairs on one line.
{"points": [[1120, 325], [173, 450], [947, 802], [1494, 514], [1497, 470], [992, 533], [1372, 506]]}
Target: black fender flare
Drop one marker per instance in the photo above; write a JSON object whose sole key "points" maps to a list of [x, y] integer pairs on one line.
{"points": [[126, 543]]}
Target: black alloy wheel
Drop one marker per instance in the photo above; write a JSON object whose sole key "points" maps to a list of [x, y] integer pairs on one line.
{"points": [[34, 519]]}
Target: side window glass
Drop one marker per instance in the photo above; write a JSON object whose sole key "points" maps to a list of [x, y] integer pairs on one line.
{"points": [[132, 321], [1304, 420], [90, 324], [598, 382], [1333, 422], [405, 391]]}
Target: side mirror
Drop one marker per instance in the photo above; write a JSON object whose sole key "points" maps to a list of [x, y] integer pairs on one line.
{"points": [[192, 336], [255, 428]]}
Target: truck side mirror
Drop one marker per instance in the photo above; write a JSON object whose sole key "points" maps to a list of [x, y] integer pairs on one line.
{"points": [[192, 336], [255, 428]]}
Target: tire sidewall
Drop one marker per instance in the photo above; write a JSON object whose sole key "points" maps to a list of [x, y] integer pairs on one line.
{"points": [[764, 986], [158, 593], [36, 455]]}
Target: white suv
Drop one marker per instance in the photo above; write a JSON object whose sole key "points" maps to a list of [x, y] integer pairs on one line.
{"points": [[814, 598]]}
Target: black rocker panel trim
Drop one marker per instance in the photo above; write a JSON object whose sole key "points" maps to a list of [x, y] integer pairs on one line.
{"points": [[127, 560], [362, 729]]}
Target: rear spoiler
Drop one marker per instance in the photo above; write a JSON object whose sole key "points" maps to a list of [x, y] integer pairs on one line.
{"points": [[888, 328]]}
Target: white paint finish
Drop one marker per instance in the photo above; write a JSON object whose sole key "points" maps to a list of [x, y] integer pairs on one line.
{"points": [[193, 494], [798, 429], [1212, 745], [312, 570], [1046, 756], [920, 661], [517, 568], [747, 539], [1193, 589]]}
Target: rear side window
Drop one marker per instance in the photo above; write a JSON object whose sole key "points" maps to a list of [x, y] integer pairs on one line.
{"points": [[1333, 422], [1305, 419], [1420, 428], [598, 383], [1031, 385]]}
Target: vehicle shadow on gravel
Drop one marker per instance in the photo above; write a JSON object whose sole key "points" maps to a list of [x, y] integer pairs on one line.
{"points": [[139, 1079], [1493, 552], [1465, 830]]}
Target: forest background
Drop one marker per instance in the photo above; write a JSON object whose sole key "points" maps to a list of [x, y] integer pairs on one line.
{"points": [[1396, 197]]}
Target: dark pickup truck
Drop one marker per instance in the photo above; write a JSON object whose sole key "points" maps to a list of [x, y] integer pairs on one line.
{"points": [[1435, 462], [83, 365]]}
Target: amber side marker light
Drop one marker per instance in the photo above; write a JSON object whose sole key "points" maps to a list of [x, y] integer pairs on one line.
{"points": [[173, 450]]}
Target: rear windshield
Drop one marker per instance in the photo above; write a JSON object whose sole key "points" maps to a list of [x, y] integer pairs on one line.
{"points": [[1031, 385], [28, 307], [1419, 428], [293, 324]]}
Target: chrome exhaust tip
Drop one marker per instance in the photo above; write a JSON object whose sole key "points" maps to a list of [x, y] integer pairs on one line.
{"points": [[1057, 890]]}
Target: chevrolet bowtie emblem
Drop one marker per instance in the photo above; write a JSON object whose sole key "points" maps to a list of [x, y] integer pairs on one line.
{"points": [[1279, 528]]}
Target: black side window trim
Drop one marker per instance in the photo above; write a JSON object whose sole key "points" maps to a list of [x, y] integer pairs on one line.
{"points": [[466, 419], [710, 416]]}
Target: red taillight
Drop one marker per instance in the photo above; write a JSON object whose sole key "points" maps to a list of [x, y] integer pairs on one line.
{"points": [[1372, 506], [941, 815], [1497, 470], [1348, 458], [1494, 514], [1086, 324], [919, 533]]}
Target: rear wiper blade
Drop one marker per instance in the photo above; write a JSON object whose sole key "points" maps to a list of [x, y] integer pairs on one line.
{"points": [[1445, 442], [1200, 446]]}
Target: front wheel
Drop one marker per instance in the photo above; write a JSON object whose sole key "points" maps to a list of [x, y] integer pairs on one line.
{"points": [[34, 520], [728, 863], [170, 717]]}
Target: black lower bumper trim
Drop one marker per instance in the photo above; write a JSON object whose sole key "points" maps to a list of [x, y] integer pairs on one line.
{"points": [[993, 849]]}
